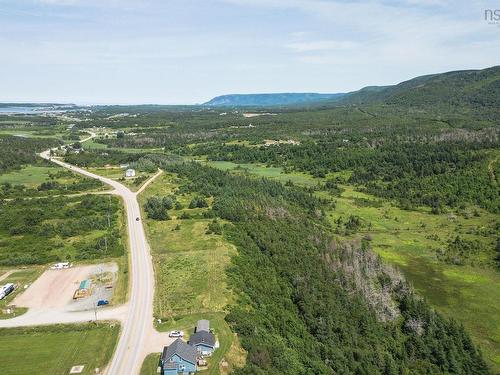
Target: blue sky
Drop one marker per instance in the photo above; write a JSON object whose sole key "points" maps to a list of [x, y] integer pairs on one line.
{"points": [[174, 52]]}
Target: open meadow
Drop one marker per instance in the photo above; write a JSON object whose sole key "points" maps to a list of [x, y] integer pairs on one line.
{"points": [[53, 350]]}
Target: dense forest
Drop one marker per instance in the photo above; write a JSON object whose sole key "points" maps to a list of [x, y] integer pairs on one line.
{"points": [[18, 151], [433, 174], [308, 304]]}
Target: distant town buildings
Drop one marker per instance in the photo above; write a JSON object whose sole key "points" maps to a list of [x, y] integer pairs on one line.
{"points": [[273, 142]]}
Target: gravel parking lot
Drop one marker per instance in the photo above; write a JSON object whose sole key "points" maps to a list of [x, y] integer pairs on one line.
{"points": [[54, 288]]}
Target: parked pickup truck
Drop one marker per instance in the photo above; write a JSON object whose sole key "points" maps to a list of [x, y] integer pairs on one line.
{"points": [[102, 302]]}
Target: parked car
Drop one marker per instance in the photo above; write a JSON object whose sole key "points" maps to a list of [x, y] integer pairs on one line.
{"points": [[102, 302], [176, 334]]}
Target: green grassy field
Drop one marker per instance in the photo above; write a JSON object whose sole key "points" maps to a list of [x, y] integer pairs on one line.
{"points": [[274, 173], [53, 350], [30, 176], [189, 269], [92, 144], [410, 239], [120, 293], [34, 133], [150, 364], [188, 263]]}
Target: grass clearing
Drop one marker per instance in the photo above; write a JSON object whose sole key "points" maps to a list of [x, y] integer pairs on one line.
{"points": [[188, 263], [42, 180], [92, 144], [120, 293], [30, 175], [34, 133], [53, 350], [150, 364], [189, 270], [260, 170]]}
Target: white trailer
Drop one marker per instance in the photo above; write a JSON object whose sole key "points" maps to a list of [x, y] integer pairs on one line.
{"points": [[6, 290]]}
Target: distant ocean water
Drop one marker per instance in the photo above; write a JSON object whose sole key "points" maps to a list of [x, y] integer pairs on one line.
{"points": [[28, 110]]}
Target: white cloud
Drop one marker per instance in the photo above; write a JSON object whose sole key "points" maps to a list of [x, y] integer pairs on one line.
{"points": [[323, 45]]}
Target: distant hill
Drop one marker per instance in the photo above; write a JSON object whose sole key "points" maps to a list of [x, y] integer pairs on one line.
{"points": [[476, 88], [266, 100]]}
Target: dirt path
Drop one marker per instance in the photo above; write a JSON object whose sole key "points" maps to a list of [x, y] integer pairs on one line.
{"points": [[7, 274], [151, 179]]}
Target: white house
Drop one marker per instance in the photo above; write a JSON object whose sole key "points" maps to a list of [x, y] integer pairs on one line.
{"points": [[130, 172]]}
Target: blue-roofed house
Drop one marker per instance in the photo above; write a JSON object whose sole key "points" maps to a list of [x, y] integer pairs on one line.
{"points": [[178, 358]]}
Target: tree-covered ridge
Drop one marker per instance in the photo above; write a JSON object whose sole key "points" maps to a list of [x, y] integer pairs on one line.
{"points": [[266, 100], [472, 88], [310, 305], [18, 151]]}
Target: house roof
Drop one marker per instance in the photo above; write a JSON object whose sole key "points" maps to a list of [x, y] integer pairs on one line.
{"points": [[202, 337], [203, 325], [183, 350]]}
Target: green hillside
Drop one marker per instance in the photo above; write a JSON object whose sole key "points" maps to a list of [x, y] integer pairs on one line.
{"points": [[474, 88]]}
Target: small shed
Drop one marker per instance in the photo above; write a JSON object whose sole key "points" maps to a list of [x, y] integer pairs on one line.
{"points": [[202, 325], [130, 172]]}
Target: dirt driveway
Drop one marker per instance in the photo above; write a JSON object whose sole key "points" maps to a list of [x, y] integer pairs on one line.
{"points": [[55, 288]]}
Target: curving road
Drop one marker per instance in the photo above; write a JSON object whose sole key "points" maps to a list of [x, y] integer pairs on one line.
{"points": [[137, 330]]}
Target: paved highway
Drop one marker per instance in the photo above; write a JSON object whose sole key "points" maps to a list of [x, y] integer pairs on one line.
{"points": [[137, 329]]}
